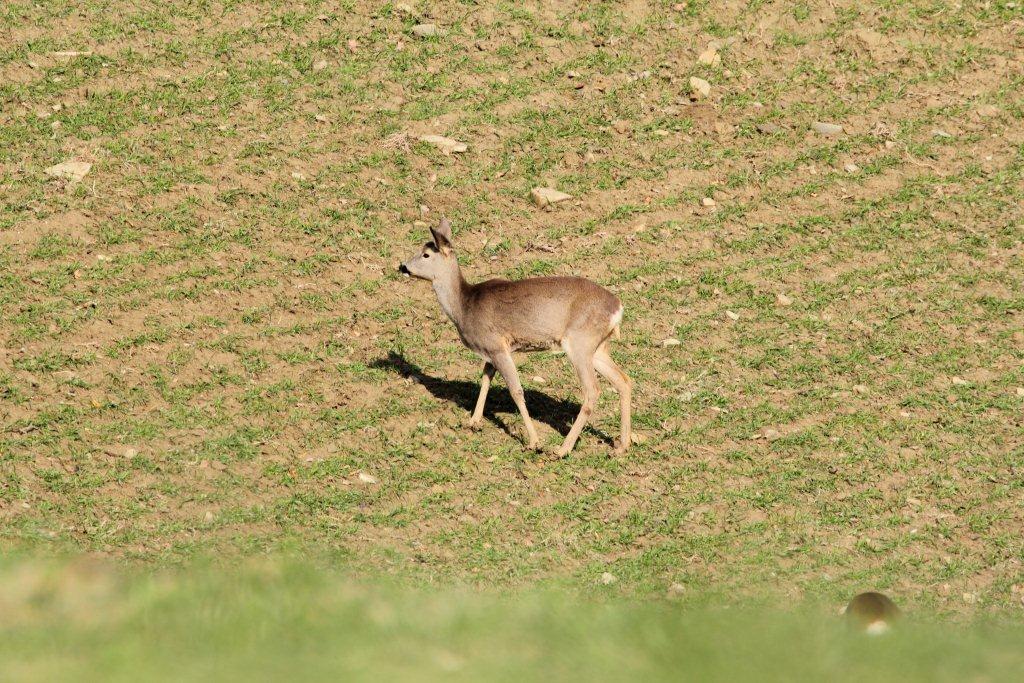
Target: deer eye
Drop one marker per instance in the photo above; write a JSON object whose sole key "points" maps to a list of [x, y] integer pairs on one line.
{"points": [[426, 254]]}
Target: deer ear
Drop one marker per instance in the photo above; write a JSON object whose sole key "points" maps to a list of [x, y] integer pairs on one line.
{"points": [[445, 228], [442, 235]]}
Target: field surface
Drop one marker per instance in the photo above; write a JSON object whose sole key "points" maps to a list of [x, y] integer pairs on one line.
{"points": [[205, 350]]}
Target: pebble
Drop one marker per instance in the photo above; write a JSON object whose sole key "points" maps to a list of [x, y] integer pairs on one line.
{"points": [[426, 30], [708, 202], [320, 65], [447, 146], [829, 129], [732, 315], [69, 170], [783, 300], [666, 343], [699, 88], [547, 196], [768, 128], [608, 578], [851, 168], [367, 478], [710, 57]]}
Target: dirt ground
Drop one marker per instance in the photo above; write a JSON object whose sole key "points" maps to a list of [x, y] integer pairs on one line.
{"points": [[205, 348]]}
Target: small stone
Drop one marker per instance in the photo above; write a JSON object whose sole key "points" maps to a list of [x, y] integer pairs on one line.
{"points": [[960, 381], [939, 133], [783, 300], [72, 171], [1020, 392], [426, 30], [771, 434], [828, 129], [208, 517], [296, 175], [970, 598], [367, 478], [352, 44], [710, 57], [675, 590], [607, 579], [547, 196], [768, 128], [708, 202], [320, 65], [860, 388], [621, 127], [731, 315], [851, 168], [699, 88], [320, 118], [130, 452], [537, 379], [446, 145], [666, 343]]}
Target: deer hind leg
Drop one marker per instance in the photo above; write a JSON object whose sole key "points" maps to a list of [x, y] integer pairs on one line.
{"points": [[507, 367], [485, 385], [581, 355], [604, 364]]}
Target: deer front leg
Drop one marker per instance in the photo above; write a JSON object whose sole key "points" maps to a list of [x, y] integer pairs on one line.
{"points": [[485, 385], [507, 367]]}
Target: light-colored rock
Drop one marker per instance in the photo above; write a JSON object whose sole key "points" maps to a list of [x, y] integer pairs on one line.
{"points": [[708, 202], [548, 196], [446, 145], [320, 65], [73, 171], [426, 31], [783, 300], [851, 168], [699, 88], [608, 578], [768, 128], [732, 315], [666, 343], [828, 129], [710, 57], [367, 478]]}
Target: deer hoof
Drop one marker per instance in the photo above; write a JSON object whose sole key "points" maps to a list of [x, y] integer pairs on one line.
{"points": [[475, 425], [620, 447]]}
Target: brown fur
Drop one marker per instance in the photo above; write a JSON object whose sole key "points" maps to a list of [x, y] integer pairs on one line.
{"points": [[871, 612], [497, 317]]}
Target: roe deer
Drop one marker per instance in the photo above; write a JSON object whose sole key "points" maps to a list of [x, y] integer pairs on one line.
{"points": [[872, 613], [496, 317]]}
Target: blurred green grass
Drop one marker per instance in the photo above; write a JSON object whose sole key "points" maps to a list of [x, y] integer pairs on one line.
{"points": [[280, 619]]}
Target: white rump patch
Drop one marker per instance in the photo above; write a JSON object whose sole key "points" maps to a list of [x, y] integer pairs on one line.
{"points": [[616, 318], [877, 628]]}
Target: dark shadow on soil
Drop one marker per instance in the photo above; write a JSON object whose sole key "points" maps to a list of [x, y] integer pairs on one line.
{"points": [[557, 413]]}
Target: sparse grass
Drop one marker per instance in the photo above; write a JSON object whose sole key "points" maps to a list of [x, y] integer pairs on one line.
{"points": [[218, 295]]}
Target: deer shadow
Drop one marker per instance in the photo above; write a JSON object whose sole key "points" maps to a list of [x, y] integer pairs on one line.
{"points": [[554, 412]]}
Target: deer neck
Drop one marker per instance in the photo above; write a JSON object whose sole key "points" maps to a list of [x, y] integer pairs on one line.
{"points": [[451, 291]]}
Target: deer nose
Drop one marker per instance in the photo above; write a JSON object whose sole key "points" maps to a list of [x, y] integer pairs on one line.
{"points": [[403, 269]]}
